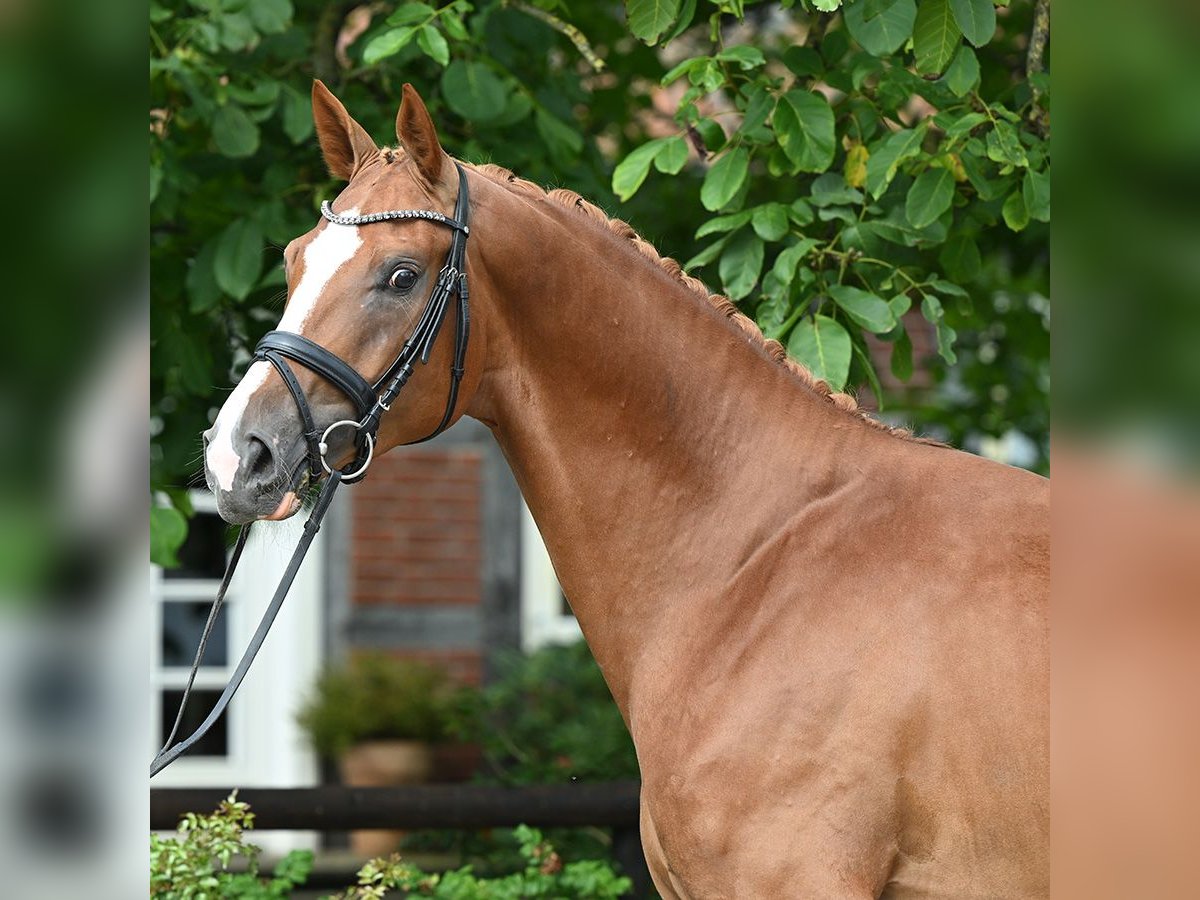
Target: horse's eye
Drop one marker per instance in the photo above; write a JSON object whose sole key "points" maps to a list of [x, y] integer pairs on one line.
{"points": [[402, 279]]}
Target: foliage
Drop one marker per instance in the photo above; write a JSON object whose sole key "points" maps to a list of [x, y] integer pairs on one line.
{"points": [[195, 864], [543, 875], [869, 161], [549, 716], [865, 145], [376, 696]]}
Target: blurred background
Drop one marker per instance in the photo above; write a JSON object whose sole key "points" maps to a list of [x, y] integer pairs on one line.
{"points": [[82, 605]]}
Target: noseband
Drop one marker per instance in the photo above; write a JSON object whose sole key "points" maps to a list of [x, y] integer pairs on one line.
{"points": [[371, 401]]}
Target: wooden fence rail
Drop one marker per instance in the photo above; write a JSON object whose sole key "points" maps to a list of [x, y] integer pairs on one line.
{"points": [[466, 806]]}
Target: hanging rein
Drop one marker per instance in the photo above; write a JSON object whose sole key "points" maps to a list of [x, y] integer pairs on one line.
{"points": [[370, 402]]}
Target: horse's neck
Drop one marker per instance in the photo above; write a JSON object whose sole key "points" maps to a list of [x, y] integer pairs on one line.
{"points": [[655, 444]]}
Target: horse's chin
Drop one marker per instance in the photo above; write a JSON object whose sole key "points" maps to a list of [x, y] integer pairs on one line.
{"points": [[288, 507]]}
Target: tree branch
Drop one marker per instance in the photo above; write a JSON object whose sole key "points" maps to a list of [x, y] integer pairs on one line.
{"points": [[325, 35], [573, 34], [1035, 59]]}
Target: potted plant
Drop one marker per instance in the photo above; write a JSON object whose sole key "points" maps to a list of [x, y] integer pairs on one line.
{"points": [[379, 717]]}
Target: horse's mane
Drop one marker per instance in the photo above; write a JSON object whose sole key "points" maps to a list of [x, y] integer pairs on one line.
{"points": [[721, 303], [622, 229]]}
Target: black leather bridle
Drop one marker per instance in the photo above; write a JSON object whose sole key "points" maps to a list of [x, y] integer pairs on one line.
{"points": [[370, 402]]}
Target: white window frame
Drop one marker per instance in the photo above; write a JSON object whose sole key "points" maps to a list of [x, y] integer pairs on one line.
{"points": [[542, 619], [266, 746]]}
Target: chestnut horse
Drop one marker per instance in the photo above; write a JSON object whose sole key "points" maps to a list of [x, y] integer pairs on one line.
{"points": [[828, 639]]}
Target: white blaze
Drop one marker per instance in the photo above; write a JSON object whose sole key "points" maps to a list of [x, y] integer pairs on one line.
{"points": [[325, 254]]}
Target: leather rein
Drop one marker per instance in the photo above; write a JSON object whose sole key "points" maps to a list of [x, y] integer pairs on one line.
{"points": [[370, 401]]}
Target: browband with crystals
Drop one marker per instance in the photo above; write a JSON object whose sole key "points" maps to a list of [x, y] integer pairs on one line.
{"points": [[431, 215]]}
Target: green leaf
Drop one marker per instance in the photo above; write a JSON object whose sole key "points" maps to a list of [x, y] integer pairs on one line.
{"points": [[201, 283], [931, 308], [963, 73], [725, 178], [434, 45], [389, 43], [864, 361], [790, 258], [804, 125], [935, 36], [683, 68], [168, 530], [831, 189], [237, 31], [902, 362], [1036, 191], [823, 345], [686, 14], [473, 91], [964, 124], [708, 254], [949, 288], [1015, 212], [234, 132], [976, 19], [633, 169], [869, 311], [885, 32], [960, 258], [296, 111], [930, 196], [801, 212], [410, 14], [770, 221], [454, 26], [759, 106], [672, 155], [239, 257], [899, 305], [741, 264], [731, 222], [270, 16], [946, 336], [744, 55], [805, 62], [888, 154], [1004, 146], [648, 19], [563, 141], [826, 5]]}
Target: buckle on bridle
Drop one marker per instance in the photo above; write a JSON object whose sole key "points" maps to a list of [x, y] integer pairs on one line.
{"points": [[323, 448]]}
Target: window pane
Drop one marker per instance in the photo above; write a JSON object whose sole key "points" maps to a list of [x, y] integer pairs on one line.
{"points": [[182, 625], [203, 553], [216, 742]]}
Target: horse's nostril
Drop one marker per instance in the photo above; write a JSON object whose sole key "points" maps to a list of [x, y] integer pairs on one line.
{"points": [[260, 461]]}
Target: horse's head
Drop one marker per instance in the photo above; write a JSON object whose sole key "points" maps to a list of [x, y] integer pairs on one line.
{"points": [[357, 291]]}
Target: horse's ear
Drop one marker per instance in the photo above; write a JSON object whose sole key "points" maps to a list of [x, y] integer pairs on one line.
{"points": [[344, 143], [415, 130]]}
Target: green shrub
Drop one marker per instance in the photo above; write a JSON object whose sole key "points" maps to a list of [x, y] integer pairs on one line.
{"points": [[543, 875], [194, 865], [377, 696], [549, 717]]}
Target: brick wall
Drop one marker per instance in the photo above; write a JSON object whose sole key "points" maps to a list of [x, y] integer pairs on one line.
{"points": [[417, 541]]}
